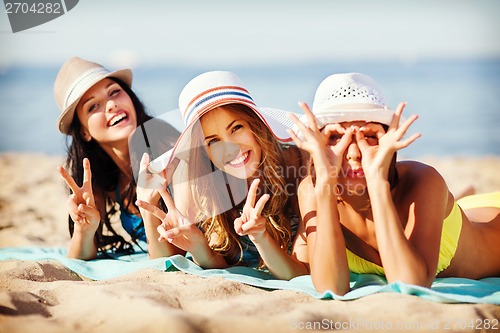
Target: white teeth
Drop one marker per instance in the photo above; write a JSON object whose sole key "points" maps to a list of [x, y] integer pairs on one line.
{"points": [[239, 160], [117, 118]]}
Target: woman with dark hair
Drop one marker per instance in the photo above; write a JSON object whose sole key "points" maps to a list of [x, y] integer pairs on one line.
{"points": [[366, 213], [100, 113]]}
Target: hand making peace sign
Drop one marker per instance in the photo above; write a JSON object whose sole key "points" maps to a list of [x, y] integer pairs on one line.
{"points": [[81, 203], [175, 227], [251, 222]]}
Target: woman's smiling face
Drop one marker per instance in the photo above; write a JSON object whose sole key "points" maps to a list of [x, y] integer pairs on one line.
{"points": [[106, 112], [230, 143]]}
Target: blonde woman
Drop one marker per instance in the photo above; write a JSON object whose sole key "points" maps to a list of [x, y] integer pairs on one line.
{"points": [[235, 180]]}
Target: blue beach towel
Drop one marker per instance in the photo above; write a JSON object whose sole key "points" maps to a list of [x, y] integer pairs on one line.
{"points": [[444, 290]]}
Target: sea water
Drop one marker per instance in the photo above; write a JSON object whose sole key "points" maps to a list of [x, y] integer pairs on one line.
{"points": [[458, 101]]}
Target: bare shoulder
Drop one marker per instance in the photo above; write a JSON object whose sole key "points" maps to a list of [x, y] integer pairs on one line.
{"points": [[419, 181], [417, 172]]}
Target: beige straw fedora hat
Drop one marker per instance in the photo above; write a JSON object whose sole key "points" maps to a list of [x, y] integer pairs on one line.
{"points": [[75, 77]]}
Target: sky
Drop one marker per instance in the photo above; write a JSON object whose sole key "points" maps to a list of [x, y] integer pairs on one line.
{"points": [[257, 32]]}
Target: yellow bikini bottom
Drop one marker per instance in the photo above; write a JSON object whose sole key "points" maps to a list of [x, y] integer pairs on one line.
{"points": [[452, 225]]}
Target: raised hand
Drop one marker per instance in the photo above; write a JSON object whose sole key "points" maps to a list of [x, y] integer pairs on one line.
{"points": [[251, 222], [377, 157], [81, 203], [325, 147], [175, 227], [149, 183]]}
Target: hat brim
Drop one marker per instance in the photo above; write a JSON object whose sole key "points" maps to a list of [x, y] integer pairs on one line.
{"points": [[66, 117], [382, 116], [277, 121], [325, 117]]}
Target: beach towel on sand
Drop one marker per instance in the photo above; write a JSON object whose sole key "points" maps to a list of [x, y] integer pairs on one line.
{"points": [[444, 290]]}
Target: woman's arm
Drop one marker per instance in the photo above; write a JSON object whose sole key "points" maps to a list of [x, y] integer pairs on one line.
{"points": [[408, 251], [82, 245], [410, 254], [147, 190], [157, 249], [252, 223], [325, 241], [182, 233], [278, 261]]}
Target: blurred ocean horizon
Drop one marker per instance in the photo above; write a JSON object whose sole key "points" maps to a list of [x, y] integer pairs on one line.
{"points": [[458, 101]]}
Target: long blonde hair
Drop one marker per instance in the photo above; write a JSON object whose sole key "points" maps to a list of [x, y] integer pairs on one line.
{"points": [[208, 201]]}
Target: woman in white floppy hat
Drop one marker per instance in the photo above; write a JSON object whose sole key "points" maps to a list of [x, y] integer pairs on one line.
{"points": [[371, 214], [235, 199], [99, 113]]}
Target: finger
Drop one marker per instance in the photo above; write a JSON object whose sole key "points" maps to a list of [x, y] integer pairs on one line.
{"points": [[248, 226], [87, 173], [410, 140], [361, 140], [260, 205], [144, 162], [89, 213], [333, 128], [404, 127], [152, 209], [81, 220], [171, 234], [68, 179], [167, 198], [88, 198], [143, 171], [162, 231], [73, 212], [311, 120], [148, 180], [238, 222], [397, 115], [345, 140], [72, 204], [300, 125], [400, 108], [252, 195], [295, 138]]}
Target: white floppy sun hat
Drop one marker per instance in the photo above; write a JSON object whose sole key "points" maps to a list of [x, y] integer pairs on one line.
{"points": [[349, 97], [201, 95], [209, 91]]}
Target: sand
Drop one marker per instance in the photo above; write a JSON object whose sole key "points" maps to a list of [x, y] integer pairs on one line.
{"points": [[45, 296]]}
